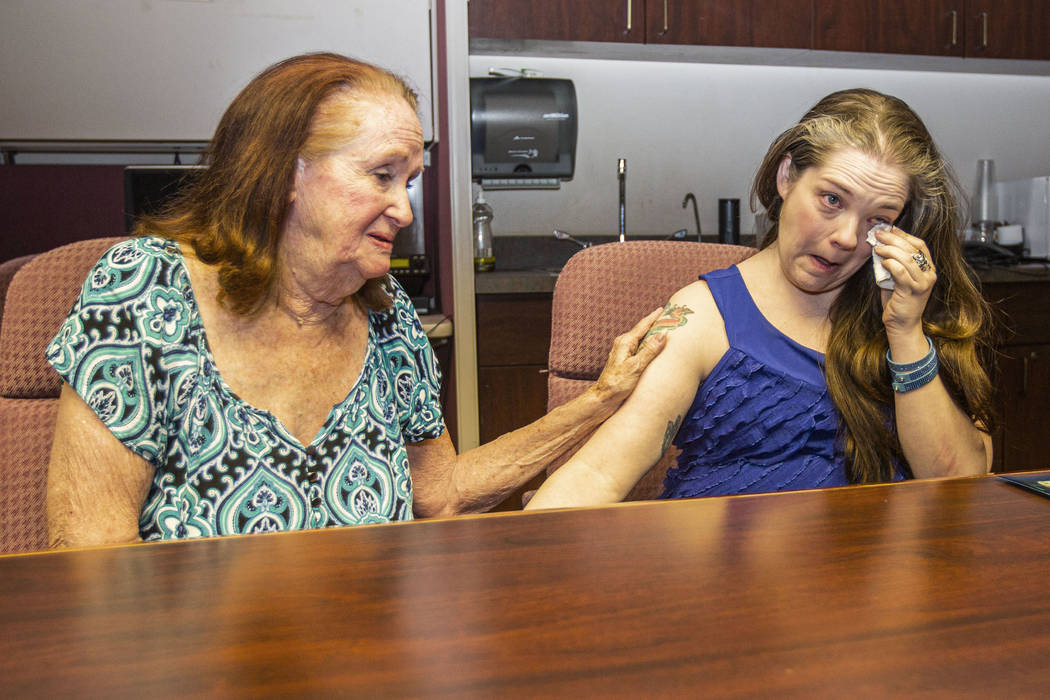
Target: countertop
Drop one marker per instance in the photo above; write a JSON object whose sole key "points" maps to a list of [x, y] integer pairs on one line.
{"points": [[538, 281], [530, 265], [436, 325], [1028, 272]]}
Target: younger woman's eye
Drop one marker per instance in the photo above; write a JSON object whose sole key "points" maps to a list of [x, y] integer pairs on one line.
{"points": [[832, 199]]}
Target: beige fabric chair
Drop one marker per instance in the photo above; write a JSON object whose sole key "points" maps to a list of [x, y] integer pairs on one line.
{"points": [[602, 292], [38, 300]]}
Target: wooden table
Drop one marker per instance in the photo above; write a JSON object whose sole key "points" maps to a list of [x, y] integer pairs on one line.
{"points": [[936, 588]]}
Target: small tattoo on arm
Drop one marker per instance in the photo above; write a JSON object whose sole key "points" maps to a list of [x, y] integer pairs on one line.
{"points": [[672, 317], [672, 430]]}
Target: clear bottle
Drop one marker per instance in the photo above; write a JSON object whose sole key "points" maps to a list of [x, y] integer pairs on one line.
{"points": [[484, 258]]}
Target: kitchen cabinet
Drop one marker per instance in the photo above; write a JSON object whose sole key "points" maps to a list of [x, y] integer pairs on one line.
{"points": [[929, 27], [765, 23], [1018, 29], [514, 338], [1024, 386], [579, 20], [1008, 29], [1023, 383], [1012, 29]]}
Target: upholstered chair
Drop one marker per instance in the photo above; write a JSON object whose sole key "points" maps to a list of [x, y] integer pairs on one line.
{"points": [[38, 299], [602, 292]]}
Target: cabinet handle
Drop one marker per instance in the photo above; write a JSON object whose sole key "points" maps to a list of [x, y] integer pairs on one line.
{"points": [[955, 29], [665, 20], [984, 30], [1030, 357], [628, 30]]}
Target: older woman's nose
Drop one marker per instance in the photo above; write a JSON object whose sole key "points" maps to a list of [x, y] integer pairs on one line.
{"points": [[400, 209]]}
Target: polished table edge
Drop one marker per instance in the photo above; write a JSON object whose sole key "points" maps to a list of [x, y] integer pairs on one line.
{"points": [[654, 503], [919, 587]]}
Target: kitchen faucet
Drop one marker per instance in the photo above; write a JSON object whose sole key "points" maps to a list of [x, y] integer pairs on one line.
{"points": [[563, 236], [696, 211], [621, 174]]}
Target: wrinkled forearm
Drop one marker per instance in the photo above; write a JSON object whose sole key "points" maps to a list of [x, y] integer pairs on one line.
{"points": [[95, 485], [484, 476]]}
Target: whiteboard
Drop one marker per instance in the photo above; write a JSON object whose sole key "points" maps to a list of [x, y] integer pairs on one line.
{"points": [[165, 70]]}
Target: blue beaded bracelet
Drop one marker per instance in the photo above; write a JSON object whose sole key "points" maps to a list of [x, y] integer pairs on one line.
{"points": [[912, 375]]}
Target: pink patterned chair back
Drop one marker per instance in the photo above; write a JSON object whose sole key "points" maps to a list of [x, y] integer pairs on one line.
{"points": [[8, 268], [604, 290], [38, 300]]}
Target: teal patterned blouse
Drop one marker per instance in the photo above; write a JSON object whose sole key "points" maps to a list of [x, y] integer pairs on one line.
{"points": [[134, 348]]}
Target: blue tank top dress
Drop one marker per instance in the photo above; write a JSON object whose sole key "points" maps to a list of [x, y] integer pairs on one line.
{"points": [[762, 420]]}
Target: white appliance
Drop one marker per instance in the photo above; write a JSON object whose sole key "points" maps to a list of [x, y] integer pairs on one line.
{"points": [[1027, 202]]}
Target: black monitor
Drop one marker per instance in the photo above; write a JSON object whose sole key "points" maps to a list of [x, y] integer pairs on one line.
{"points": [[148, 187]]}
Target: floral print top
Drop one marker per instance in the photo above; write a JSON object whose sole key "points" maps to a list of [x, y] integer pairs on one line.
{"points": [[134, 348]]}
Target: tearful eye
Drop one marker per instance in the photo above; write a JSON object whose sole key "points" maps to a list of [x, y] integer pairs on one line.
{"points": [[832, 199]]}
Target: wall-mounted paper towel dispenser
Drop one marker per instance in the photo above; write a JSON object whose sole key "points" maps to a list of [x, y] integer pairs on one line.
{"points": [[523, 132]]}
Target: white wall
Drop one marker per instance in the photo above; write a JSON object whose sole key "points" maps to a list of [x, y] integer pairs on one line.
{"points": [[703, 128], [145, 70]]}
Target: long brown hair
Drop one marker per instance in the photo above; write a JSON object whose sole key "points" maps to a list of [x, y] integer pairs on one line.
{"points": [[232, 213], [957, 318]]}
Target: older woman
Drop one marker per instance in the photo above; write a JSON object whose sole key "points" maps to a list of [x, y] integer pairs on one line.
{"points": [[247, 365], [793, 369]]}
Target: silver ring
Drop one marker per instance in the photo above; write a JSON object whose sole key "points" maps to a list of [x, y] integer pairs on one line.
{"points": [[921, 261]]}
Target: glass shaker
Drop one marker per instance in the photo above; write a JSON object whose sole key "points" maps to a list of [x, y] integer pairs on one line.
{"points": [[484, 258]]}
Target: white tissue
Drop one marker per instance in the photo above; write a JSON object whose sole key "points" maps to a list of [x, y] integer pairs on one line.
{"points": [[882, 275]]}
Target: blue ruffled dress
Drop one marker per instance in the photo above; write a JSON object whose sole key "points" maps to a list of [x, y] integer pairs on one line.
{"points": [[762, 420]]}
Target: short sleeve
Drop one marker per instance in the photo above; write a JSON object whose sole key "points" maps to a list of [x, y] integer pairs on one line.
{"points": [[413, 368], [124, 334]]}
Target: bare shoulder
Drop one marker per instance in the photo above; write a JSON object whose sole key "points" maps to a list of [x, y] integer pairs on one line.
{"points": [[691, 308], [696, 332]]}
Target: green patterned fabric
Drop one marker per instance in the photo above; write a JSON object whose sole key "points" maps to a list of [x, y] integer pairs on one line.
{"points": [[134, 348]]}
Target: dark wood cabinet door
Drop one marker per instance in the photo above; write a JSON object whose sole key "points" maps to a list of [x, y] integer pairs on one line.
{"points": [[514, 338], [513, 329], [510, 398], [767, 23], [561, 20], [928, 27], [1025, 407], [843, 25], [698, 22], [1008, 29], [782, 24]]}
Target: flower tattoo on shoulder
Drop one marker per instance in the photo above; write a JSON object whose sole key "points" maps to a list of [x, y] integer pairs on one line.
{"points": [[673, 316]]}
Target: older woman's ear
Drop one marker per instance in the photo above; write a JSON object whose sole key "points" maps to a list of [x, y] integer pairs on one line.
{"points": [[784, 180], [300, 165]]}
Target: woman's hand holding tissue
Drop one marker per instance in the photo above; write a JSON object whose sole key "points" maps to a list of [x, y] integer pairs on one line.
{"points": [[904, 271]]}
